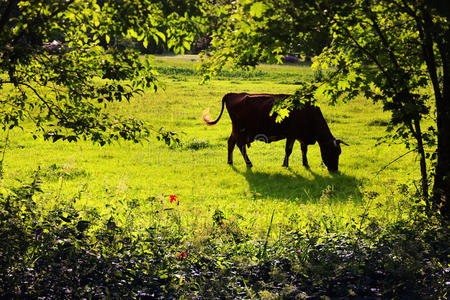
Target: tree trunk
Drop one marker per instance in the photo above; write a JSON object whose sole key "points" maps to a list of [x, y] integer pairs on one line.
{"points": [[441, 189], [423, 164]]}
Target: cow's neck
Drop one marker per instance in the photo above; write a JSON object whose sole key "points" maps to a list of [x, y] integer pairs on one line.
{"points": [[323, 133]]}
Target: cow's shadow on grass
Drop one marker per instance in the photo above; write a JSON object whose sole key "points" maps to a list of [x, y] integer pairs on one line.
{"points": [[290, 185]]}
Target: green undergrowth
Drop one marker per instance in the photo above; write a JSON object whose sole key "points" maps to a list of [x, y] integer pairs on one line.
{"points": [[62, 251]]}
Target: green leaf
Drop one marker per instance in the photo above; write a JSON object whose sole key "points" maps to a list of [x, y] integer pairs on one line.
{"points": [[161, 35], [257, 9], [145, 42], [281, 114], [132, 33], [187, 45]]}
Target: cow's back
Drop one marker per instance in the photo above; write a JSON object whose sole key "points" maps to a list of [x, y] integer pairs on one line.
{"points": [[251, 108], [250, 114]]}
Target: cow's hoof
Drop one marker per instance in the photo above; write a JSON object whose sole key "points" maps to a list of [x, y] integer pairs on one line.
{"points": [[230, 163], [285, 165], [306, 166], [249, 166]]}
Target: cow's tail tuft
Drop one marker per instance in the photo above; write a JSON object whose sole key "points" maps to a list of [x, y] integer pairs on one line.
{"points": [[206, 118]]}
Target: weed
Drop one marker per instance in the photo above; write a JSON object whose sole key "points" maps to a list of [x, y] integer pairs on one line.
{"points": [[197, 144], [54, 172]]}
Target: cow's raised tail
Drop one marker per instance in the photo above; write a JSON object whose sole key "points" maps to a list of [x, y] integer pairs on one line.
{"points": [[208, 120]]}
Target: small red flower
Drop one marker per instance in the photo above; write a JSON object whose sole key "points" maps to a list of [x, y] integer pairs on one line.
{"points": [[173, 198], [182, 254]]}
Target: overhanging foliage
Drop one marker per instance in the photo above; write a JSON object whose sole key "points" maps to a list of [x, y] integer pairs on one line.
{"points": [[62, 69]]}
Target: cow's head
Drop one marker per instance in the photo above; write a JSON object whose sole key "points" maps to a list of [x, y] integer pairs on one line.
{"points": [[330, 154]]}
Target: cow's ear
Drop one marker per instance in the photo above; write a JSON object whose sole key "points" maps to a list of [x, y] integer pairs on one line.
{"points": [[341, 142]]}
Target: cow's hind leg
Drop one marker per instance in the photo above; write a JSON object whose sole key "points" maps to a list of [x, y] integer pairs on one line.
{"points": [[244, 155], [231, 144], [289, 145], [304, 151]]}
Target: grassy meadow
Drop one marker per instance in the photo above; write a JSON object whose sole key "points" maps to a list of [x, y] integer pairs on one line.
{"points": [[196, 171]]}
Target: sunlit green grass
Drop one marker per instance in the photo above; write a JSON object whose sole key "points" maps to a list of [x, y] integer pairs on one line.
{"points": [[197, 171]]}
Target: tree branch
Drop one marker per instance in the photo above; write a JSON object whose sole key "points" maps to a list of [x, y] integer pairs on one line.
{"points": [[46, 103], [383, 168], [371, 57], [383, 38], [426, 44]]}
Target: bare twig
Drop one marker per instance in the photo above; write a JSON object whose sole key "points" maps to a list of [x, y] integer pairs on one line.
{"points": [[383, 168], [3, 154]]}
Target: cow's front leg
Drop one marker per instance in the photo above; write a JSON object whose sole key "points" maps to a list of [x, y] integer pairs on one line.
{"points": [[231, 144], [304, 147], [244, 155], [289, 145]]}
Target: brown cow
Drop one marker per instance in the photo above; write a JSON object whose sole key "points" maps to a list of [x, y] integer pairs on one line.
{"points": [[251, 120]]}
